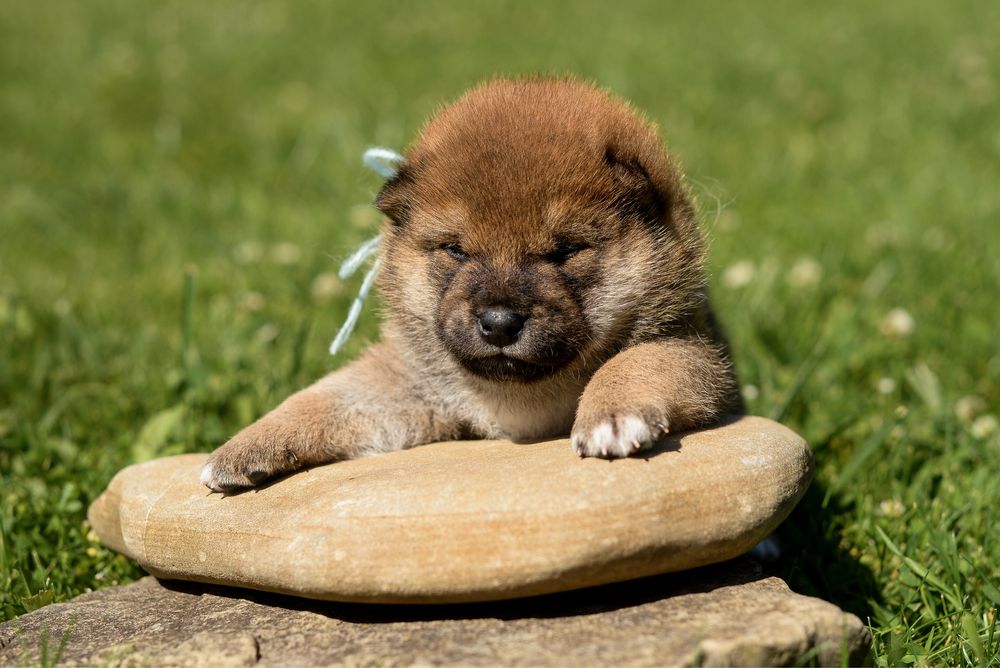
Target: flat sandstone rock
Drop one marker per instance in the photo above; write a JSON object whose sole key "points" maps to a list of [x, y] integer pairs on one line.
{"points": [[463, 521], [728, 614]]}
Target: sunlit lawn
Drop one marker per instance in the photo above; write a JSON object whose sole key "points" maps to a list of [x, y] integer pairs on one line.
{"points": [[178, 182]]}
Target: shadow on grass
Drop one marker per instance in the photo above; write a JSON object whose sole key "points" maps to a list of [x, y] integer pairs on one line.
{"points": [[815, 563]]}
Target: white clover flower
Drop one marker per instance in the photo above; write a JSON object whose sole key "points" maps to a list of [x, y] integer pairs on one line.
{"points": [[62, 307], [268, 333], [886, 385], [248, 252], [806, 271], [253, 301], [326, 285], [984, 426], [739, 275], [891, 508], [969, 407], [750, 392], [898, 323], [295, 96], [285, 252]]}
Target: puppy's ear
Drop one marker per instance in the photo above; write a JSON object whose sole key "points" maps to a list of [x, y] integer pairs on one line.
{"points": [[639, 196], [396, 197]]}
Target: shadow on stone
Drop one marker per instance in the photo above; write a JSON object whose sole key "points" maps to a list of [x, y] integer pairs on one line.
{"points": [[728, 614], [588, 601], [258, 488]]}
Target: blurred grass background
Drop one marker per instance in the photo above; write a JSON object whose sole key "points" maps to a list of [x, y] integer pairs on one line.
{"points": [[178, 182]]}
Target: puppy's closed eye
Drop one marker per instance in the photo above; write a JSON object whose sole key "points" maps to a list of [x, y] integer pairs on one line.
{"points": [[454, 251], [564, 252]]}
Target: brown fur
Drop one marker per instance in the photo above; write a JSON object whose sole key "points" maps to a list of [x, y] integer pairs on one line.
{"points": [[553, 200]]}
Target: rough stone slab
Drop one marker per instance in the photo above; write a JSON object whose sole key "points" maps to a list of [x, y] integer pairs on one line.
{"points": [[463, 521], [727, 614]]}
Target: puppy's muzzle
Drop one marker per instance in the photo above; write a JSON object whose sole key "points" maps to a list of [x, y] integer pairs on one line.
{"points": [[499, 325]]}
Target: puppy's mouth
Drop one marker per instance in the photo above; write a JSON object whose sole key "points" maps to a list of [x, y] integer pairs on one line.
{"points": [[503, 368]]}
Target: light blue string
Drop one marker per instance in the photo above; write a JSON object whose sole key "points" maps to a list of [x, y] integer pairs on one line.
{"points": [[384, 162], [358, 257], [355, 311]]}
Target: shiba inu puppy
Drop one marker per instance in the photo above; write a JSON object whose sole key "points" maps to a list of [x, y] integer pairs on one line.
{"points": [[542, 276]]}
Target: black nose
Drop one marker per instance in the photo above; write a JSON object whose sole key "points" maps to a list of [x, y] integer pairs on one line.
{"points": [[500, 325]]}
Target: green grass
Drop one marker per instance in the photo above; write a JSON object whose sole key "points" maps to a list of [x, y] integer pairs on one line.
{"points": [[175, 176]]}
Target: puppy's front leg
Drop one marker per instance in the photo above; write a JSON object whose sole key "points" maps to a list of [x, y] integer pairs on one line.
{"points": [[367, 407], [649, 389]]}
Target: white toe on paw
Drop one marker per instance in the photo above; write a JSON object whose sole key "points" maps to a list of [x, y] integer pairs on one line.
{"points": [[617, 436], [206, 475]]}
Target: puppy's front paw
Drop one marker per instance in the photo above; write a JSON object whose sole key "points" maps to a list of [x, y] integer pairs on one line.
{"points": [[616, 435], [254, 455]]}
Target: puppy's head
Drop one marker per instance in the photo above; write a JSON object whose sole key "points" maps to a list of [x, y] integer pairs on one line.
{"points": [[535, 226]]}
